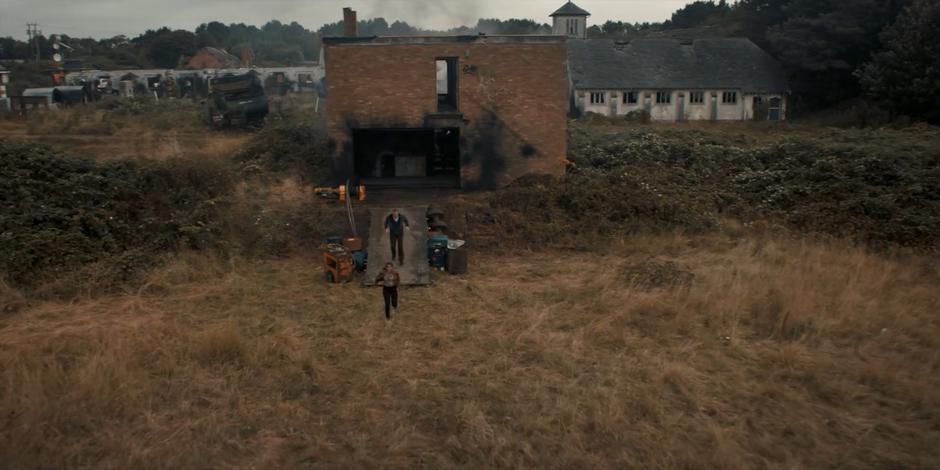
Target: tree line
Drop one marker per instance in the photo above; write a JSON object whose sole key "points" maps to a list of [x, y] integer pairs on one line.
{"points": [[273, 44], [832, 50]]}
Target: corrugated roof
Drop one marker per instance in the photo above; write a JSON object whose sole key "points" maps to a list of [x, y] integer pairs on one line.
{"points": [[720, 63], [570, 9]]}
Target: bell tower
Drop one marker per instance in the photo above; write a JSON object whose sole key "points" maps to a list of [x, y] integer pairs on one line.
{"points": [[570, 20]]}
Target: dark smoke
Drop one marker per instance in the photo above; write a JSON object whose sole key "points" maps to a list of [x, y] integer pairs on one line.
{"points": [[423, 13]]}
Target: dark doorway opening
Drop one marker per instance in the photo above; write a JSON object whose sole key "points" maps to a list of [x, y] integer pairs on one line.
{"points": [[760, 109], [407, 157], [774, 113]]}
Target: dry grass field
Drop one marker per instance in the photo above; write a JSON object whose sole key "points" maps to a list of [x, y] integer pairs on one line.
{"points": [[144, 130], [645, 329], [714, 351], [132, 142]]}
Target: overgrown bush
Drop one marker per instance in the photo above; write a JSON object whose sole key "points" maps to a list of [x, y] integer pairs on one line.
{"points": [[165, 114], [881, 188], [60, 213], [297, 149], [105, 222]]}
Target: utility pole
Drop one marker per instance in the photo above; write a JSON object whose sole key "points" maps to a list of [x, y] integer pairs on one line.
{"points": [[33, 32]]}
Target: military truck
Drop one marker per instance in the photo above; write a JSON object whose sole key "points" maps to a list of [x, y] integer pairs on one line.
{"points": [[236, 101]]}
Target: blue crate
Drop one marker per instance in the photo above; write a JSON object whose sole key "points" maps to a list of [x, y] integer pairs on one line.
{"points": [[437, 251]]}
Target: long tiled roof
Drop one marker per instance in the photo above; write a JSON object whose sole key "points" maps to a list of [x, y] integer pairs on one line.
{"points": [[721, 63]]}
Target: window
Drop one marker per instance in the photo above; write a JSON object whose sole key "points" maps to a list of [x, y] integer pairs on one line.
{"points": [[697, 97], [572, 26], [598, 97], [630, 97], [729, 97], [446, 85], [663, 97]]}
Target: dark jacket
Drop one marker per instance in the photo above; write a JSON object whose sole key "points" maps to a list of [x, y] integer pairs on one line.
{"points": [[396, 228]]}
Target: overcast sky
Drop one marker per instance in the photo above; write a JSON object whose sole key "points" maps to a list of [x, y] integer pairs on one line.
{"points": [[106, 18]]}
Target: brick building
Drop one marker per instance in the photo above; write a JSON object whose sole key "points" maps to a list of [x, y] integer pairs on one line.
{"points": [[467, 111]]}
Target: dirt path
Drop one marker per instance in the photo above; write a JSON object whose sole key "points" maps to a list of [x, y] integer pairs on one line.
{"points": [[415, 271]]}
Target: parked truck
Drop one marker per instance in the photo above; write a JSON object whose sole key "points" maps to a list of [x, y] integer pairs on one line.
{"points": [[236, 101]]}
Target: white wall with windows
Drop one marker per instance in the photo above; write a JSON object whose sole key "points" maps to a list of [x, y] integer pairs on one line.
{"points": [[681, 105], [596, 101]]}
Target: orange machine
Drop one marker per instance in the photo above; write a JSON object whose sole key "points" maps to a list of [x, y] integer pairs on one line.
{"points": [[341, 192], [338, 264]]}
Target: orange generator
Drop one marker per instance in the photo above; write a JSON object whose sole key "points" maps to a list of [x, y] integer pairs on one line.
{"points": [[338, 264]]}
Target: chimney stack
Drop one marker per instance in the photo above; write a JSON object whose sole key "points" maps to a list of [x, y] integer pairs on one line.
{"points": [[350, 26]]}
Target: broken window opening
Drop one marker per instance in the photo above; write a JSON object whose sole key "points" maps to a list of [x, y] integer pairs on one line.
{"points": [[447, 85], [630, 97], [663, 97], [697, 97], [598, 97], [729, 97]]}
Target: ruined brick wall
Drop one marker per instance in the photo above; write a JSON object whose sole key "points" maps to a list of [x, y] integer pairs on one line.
{"points": [[513, 98]]}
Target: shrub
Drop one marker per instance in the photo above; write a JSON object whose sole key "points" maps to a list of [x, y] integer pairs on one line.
{"points": [[876, 187], [295, 149], [60, 213]]}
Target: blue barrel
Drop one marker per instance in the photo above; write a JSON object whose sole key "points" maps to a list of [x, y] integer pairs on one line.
{"points": [[437, 251]]}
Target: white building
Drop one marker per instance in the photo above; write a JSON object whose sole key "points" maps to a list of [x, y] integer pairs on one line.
{"points": [[717, 79], [724, 79], [4, 79]]}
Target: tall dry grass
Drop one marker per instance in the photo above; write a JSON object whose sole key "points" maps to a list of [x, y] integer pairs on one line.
{"points": [[663, 352], [170, 130]]}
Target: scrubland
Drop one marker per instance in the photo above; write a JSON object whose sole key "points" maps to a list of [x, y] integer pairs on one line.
{"points": [[668, 351], [687, 296]]}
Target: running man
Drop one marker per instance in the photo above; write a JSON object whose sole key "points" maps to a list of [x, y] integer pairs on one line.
{"points": [[389, 279]]}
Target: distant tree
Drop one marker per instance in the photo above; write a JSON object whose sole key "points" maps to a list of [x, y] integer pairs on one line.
{"points": [[13, 49], [614, 28], [400, 28], [822, 43], [168, 47], [753, 18], [213, 34], [622, 30], [904, 74], [698, 13]]}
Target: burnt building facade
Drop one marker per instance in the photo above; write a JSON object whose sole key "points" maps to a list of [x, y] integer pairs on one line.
{"points": [[467, 111]]}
